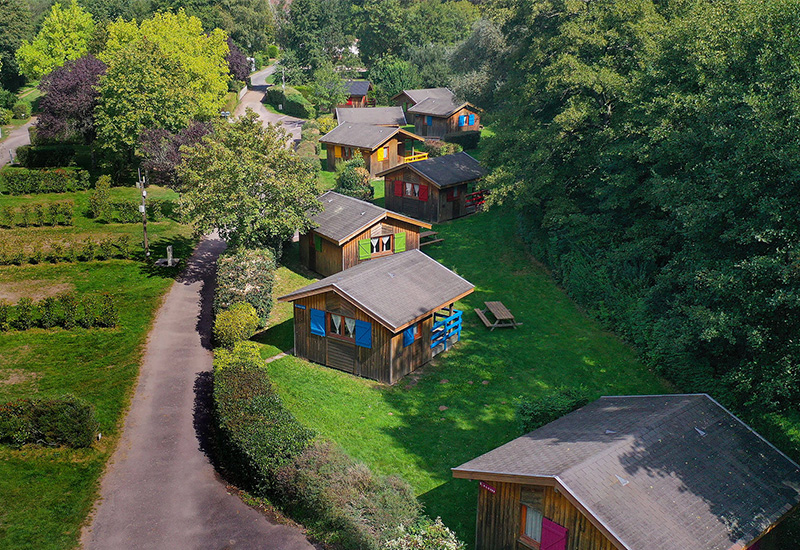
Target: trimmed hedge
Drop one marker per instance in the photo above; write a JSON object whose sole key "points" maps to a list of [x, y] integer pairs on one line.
{"points": [[45, 156], [257, 435], [21, 111], [535, 413], [235, 324], [52, 213], [66, 421], [293, 102], [24, 181], [66, 311], [246, 276], [467, 140]]}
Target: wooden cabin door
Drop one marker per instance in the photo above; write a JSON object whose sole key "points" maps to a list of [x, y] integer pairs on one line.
{"points": [[554, 536]]}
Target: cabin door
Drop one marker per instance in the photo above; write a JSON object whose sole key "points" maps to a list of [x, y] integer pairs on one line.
{"points": [[554, 536]]}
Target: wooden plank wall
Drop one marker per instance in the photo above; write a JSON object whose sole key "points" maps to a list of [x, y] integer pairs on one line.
{"points": [[498, 521], [350, 248], [374, 166], [426, 211], [442, 126], [409, 358]]}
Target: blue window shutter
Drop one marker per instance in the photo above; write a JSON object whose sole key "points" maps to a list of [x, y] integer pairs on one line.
{"points": [[363, 334], [471, 119], [408, 336], [429, 120], [317, 322], [461, 120]]}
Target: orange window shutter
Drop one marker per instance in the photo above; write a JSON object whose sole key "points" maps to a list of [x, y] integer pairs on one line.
{"points": [[337, 152], [380, 154]]}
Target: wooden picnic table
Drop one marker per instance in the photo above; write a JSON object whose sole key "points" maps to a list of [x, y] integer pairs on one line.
{"points": [[427, 235], [503, 317]]}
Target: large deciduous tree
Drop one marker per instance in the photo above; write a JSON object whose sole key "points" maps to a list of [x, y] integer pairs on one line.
{"points": [[70, 98], [328, 87], [15, 26], [64, 36], [161, 151], [238, 66], [244, 181], [391, 75], [317, 31]]}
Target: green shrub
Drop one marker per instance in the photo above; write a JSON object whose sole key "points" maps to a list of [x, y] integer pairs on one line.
{"points": [[436, 148], [326, 123], [69, 309], [26, 215], [353, 179], [55, 253], [108, 316], [88, 250], [21, 111], [535, 413], [273, 51], [5, 116], [5, 316], [100, 200], [239, 322], [126, 210], [155, 208], [89, 312], [23, 320], [45, 156], [23, 181], [48, 312], [246, 276], [307, 152], [123, 244], [425, 535], [7, 216], [53, 212], [106, 248], [66, 210], [39, 214], [467, 140], [298, 106], [257, 434], [66, 421], [36, 255]]}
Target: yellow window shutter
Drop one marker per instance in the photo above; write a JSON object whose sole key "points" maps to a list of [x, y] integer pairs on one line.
{"points": [[380, 154], [337, 152]]}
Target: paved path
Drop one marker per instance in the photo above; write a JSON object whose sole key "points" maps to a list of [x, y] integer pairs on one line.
{"points": [[253, 99], [18, 138], [160, 490]]}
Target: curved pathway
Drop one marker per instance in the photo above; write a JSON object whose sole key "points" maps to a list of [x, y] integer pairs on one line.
{"points": [[254, 100], [160, 490], [16, 138]]}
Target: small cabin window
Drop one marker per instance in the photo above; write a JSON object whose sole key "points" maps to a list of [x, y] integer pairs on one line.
{"points": [[381, 244], [341, 327], [411, 190], [531, 516], [412, 334]]}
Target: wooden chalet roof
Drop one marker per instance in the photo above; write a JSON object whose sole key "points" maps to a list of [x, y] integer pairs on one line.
{"points": [[445, 170], [380, 116], [440, 106], [655, 472], [364, 136], [358, 87], [396, 290], [343, 217], [420, 94]]}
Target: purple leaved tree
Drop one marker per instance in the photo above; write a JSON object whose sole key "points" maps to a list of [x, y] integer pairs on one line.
{"points": [[238, 65], [161, 151], [70, 96]]}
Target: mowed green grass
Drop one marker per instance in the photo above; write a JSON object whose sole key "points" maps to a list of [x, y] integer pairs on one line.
{"points": [[463, 403], [46, 493]]}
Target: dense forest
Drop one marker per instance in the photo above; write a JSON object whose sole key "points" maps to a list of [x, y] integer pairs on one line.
{"points": [[650, 147]]}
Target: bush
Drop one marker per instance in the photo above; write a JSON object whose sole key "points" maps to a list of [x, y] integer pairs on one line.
{"points": [[26, 215], [353, 179], [5, 316], [326, 123], [23, 320], [5, 116], [69, 309], [272, 51], [39, 214], [246, 276], [48, 312], [436, 148], [108, 314], [257, 434], [23, 181], [89, 312], [21, 111], [45, 156], [292, 101], [126, 210], [7, 216], [66, 421], [239, 322], [307, 151], [7, 99], [467, 140], [425, 535], [535, 413], [99, 201]]}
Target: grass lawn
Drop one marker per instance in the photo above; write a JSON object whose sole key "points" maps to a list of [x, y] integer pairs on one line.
{"points": [[47, 493], [401, 429]]}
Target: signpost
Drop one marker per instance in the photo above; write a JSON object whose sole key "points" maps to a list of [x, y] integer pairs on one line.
{"points": [[143, 210]]}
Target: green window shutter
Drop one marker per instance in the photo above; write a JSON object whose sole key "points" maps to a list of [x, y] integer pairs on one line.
{"points": [[399, 242], [364, 249], [318, 243]]}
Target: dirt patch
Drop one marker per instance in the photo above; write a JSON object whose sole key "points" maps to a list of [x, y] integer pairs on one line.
{"points": [[12, 377], [34, 289]]}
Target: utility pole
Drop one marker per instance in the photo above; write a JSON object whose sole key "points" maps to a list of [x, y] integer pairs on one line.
{"points": [[143, 210]]}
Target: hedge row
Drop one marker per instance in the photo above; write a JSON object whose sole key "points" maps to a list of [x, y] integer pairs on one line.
{"points": [[66, 311], [39, 214], [268, 452], [122, 210], [246, 276], [535, 413], [467, 140], [67, 251], [45, 156], [65, 421], [24, 181], [292, 101]]}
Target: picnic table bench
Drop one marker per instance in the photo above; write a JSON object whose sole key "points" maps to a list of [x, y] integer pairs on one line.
{"points": [[430, 237], [503, 317]]}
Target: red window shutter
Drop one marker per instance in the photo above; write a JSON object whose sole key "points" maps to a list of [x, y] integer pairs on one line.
{"points": [[450, 195], [398, 188], [423, 193], [554, 536]]}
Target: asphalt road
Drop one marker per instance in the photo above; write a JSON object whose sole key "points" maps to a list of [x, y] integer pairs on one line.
{"points": [[253, 100], [18, 138], [160, 489]]}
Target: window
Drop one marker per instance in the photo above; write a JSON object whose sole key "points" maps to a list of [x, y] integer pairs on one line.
{"points": [[383, 153], [381, 244], [531, 523], [415, 191], [341, 327], [412, 334], [452, 194], [462, 120]]}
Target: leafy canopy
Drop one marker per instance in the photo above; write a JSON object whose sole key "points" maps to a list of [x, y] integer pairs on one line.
{"points": [[64, 36], [244, 181]]}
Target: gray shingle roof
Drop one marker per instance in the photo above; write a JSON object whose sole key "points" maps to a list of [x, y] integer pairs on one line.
{"points": [[366, 136], [421, 94], [446, 170], [342, 217], [357, 87], [437, 106], [381, 116], [695, 475], [395, 289]]}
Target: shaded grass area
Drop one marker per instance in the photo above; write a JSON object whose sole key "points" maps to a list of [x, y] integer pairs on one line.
{"points": [[401, 429], [47, 493]]}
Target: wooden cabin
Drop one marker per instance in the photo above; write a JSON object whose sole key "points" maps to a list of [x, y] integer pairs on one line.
{"points": [[381, 147], [379, 116], [381, 319], [436, 112], [350, 231], [357, 92], [436, 189], [650, 472]]}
